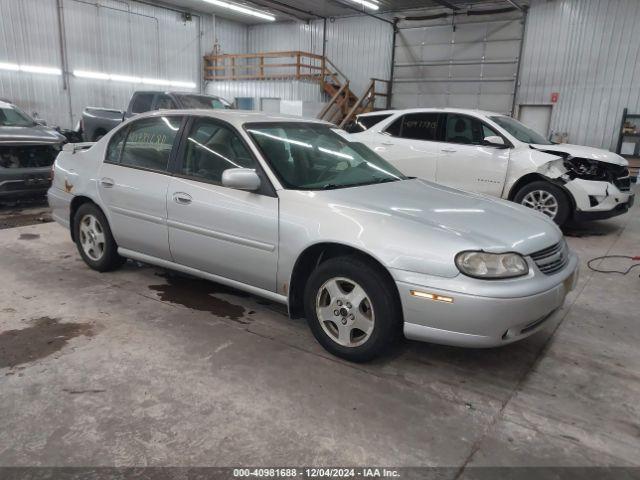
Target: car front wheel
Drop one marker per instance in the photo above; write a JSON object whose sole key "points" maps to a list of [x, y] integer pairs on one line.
{"points": [[351, 308], [94, 240], [545, 198]]}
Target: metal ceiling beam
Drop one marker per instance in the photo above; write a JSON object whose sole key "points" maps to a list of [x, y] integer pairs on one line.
{"points": [[271, 3], [361, 12], [447, 4], [519, 7]]}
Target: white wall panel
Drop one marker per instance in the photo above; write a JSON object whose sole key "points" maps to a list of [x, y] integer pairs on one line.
{"points": [[113, 36], [29, 36], [588, 52]]}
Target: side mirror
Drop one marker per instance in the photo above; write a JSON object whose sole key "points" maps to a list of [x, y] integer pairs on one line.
{"points": [[241, 179], [494, 141]]}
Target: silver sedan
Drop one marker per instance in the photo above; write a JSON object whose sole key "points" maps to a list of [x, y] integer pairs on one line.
{"points": [[290, 210]]}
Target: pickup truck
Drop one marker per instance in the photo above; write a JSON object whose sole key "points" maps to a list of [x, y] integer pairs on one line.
{"points": [[96, 122]]}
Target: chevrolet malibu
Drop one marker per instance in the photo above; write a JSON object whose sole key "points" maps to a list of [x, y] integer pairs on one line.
{"points": [[290, 210]]}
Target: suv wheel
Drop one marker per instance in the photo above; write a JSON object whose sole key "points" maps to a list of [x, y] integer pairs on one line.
{"points": [[94, 240], [545, 198], [352, 308]]}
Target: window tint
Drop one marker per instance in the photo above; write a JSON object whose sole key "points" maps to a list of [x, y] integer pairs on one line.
{"points": [[371, 120], [142, 103], [164, 102], [417, 126], [211, 149], [149, 143], [466, 130], [115, 146]]}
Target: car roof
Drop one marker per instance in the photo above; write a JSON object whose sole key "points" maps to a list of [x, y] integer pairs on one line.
{"points": [[236, 117], [426, 109]]}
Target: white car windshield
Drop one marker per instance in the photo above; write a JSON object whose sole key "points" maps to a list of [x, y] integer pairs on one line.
{"points": [[310, 156], [520, 131]]}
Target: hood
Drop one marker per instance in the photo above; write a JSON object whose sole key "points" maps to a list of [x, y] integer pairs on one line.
{"points": [[36, 134], [460, 219], [582, 151]]}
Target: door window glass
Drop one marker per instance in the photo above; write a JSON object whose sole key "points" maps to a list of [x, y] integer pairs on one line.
{"points": [[164, 102], [467, 130], [149, 143], [212, 148], [142, 103], [417, 126], [115, 146]]}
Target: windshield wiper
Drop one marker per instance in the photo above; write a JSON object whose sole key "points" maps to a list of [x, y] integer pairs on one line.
{"points": [[331, 186]]}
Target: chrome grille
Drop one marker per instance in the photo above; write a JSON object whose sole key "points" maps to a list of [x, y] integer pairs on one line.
{"points": [[552, 259]]}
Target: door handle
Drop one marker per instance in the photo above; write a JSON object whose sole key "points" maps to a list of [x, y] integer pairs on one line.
{"points": [[387, 143], [107, 182], [182, 198], [448, 150]]}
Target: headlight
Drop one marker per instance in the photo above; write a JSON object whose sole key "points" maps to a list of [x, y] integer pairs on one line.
{"points": [[491, 265]]}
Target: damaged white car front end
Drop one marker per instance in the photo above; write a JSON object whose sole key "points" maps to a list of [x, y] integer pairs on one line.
{"points": [[598, 181]]}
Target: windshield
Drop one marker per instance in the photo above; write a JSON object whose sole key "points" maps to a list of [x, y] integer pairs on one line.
{"points": [[308, 156], [520, 131], [12, 117], [204, 102]]}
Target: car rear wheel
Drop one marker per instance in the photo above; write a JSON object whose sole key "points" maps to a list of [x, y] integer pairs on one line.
{"points": [[352, 308], [94, 239], [545, 198]]}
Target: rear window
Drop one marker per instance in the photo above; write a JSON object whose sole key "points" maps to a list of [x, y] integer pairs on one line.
{"points": [[142, 103], [360, 124]]}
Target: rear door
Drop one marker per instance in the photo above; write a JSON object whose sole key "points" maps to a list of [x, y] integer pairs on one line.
{"points": [[133, 183], [219, 230], [468, 162], [412, 143]]}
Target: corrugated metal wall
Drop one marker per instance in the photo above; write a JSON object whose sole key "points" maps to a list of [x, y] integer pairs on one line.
{"points": [[112, 36], [29, 36], [588, 52]]}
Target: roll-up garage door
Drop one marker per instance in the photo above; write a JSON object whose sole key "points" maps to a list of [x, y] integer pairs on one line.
{"points": [[461, 61]]}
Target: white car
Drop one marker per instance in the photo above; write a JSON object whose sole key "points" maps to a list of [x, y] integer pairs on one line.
{"points": [[494, 154]]}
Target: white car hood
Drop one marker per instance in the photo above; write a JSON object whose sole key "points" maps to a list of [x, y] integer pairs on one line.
{"points": [[582, 151]]}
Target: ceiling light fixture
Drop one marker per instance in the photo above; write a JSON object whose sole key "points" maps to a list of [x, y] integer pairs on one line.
{"points": [[14, 67], [130, 79], [240, 9], [366, 4]]}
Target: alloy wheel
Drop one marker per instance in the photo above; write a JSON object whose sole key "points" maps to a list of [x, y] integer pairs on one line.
{"points": [[92, 237], [541, 201], [345, 312]]}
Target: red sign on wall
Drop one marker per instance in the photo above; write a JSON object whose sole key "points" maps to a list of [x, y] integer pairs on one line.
{"points": [[554, 97]]}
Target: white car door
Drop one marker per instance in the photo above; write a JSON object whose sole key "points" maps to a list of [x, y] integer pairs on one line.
{"points": [[133, 182], [410, 143], [468, 162], [216, 229]]}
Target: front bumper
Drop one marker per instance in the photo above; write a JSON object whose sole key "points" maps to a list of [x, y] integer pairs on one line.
{"points": [[597, 200], [481, 321], [24, 182]]}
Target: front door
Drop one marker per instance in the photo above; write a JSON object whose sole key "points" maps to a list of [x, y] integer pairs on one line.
{"points": [[220, 230], [133, 183], [468, 162]]}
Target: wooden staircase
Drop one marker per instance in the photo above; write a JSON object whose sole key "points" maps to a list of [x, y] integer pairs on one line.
{"points": [[343, 104]]}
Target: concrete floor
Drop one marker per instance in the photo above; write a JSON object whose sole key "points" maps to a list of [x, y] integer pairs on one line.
{"points": [[137, 367]]}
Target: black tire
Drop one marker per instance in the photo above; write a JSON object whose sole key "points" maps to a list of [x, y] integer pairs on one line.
{"points": [[109, 259], [564, 204], [380, 292]]}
